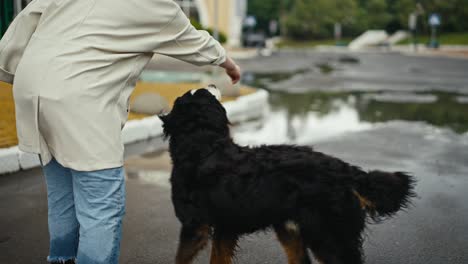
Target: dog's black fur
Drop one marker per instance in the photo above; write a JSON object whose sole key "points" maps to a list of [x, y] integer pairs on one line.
{"points": [[310, 199]]}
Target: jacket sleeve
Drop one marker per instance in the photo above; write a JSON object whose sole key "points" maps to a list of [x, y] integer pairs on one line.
{"points": [[17, 37], [182, 41]]}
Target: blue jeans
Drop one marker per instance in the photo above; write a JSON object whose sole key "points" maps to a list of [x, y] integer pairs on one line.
{"points": [[85, 213]]}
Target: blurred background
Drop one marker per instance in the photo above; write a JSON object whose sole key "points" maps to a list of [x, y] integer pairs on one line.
{"points": [[382, 84]]}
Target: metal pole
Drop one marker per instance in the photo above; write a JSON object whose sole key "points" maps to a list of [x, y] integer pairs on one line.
{"points": [[216, 20], [186, 6], [17, 7], [413, 25], [216, 70], [433, 37]]}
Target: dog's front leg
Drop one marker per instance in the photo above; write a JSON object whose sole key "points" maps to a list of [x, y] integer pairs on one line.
{"points": [[223, 248], [192, 240]]}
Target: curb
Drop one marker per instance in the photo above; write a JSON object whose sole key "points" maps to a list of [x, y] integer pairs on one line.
{"points": [[28, 160], [244, 108], [9, 160]]}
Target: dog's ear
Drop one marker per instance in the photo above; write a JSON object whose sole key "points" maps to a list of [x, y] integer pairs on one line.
{"points": [[164, 118]]}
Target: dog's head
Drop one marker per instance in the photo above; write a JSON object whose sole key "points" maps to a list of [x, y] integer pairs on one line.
{"points": [[197, 111]]}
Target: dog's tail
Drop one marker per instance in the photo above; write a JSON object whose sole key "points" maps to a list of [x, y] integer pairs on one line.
{"points": [[383, 194]]}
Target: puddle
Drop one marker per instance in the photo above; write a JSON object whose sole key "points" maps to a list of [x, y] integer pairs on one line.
{"points": [[462, 99], [362, 109], [311, 117], [398, 97], [349, 59], [325, 68], [438, 109], [283, 126], [264, 79]]}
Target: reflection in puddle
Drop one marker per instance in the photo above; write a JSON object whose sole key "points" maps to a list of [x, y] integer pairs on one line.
{"points": [[398, 97], [445, 111], [153, 177], [462, 99], [315, 116], [325, 68], [282, 127], [264, 79]]}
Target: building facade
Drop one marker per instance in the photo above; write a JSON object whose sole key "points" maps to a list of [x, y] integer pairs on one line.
{"points": [[226, 15]]}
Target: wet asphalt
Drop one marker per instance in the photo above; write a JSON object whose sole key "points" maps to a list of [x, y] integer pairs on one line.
{"points": [[362, 72], [433, 231]]}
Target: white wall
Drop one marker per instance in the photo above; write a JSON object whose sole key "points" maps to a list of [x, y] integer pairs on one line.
{"points": [[239, 12]]}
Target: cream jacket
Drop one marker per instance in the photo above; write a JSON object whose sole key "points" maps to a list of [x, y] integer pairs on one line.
{"points": [[73, 65]]}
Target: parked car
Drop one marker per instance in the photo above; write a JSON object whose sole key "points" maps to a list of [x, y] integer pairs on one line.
{"points": [[254, 39]]}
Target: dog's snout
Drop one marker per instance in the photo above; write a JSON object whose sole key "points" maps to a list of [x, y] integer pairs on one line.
{"points": [[212, 89]]}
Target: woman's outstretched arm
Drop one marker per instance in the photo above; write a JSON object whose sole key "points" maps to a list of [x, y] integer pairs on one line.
{"points": [[180, 40]]}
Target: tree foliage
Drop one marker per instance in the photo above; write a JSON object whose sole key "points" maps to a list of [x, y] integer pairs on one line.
{"points": [[453, 13], [307, 19], [315, 19], [264, 11]]}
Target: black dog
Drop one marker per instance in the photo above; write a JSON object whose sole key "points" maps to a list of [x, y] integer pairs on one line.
{"points": [[221, 190]]}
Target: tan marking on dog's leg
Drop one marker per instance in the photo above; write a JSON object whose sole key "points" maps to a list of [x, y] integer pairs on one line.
{"points": [[191, 242], [365, 203], [222, 251], [319, 261], [291, 240]]}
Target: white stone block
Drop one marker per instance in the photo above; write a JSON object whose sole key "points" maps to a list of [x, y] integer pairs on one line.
{"points": [[235, 110], [368, 38], [398, 36], [9, 161], [28, 160], [134, 131], [154, 126], [247, 107]]}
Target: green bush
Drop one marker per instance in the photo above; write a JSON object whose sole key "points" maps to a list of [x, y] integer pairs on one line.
{"points": [[6, 15], [196, 24], [314, 19], [222, 37]]}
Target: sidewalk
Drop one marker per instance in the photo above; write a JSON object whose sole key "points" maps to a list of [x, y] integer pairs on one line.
{"points": [[452, 51]]}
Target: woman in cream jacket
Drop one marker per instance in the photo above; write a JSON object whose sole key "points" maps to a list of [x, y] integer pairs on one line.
{"points": [[73, 65]]}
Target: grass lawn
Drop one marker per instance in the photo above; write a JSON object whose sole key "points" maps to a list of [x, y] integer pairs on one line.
{"points": [[444, 39], [7, 117], [289, 43]]}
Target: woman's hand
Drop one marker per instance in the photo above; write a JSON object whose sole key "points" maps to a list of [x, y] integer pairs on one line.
{"points": [[232, 69]]}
